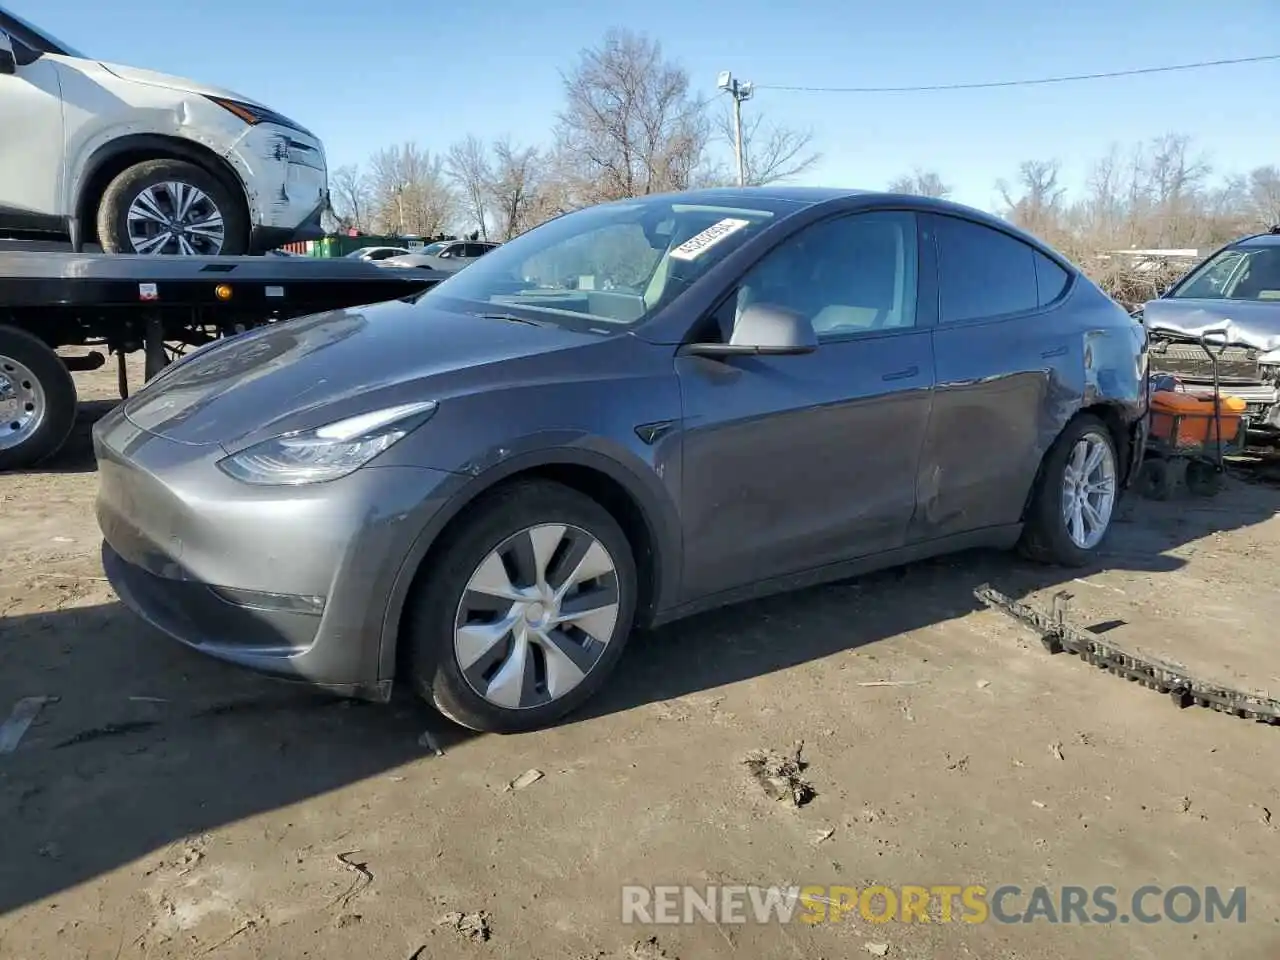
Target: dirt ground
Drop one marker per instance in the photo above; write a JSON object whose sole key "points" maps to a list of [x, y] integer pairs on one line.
{"points": [[169, 806]]}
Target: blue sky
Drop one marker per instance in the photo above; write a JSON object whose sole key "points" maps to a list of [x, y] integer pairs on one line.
{"points": [[364, 75]]}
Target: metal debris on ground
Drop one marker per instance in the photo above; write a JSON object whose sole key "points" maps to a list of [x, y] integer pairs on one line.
{"points": [[889, 683], [780, 774], [877, 949], [24, 713], [470, 926], [1058, 635], [983, 684], [1056, 749], [429, 741], [821, 836], [525, 779]]}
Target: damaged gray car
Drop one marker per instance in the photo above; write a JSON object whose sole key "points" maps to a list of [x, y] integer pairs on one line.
{"points": [[628, 414], [1232, 299]]}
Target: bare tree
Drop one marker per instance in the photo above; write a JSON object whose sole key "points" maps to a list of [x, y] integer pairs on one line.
{"points": [[412, 194], [771, 152], [351, 198], [1176, 181], [1264, 196], [468, 168], [1034, 201], [921, 183], [629, 125], [1101, 212], [515, 188]]}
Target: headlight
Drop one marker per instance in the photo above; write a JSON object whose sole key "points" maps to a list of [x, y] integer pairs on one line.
{"points": [[328, 452], [253, 114]]}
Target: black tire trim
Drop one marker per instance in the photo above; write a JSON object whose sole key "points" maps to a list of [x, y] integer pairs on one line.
{"points": [[59, 392]]}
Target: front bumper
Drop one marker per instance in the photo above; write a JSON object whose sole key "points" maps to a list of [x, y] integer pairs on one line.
{"points": [[293, 582], [286, 181]]}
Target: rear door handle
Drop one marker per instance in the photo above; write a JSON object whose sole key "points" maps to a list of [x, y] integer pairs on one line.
{"points": [[1055, 352], [902, 374]]}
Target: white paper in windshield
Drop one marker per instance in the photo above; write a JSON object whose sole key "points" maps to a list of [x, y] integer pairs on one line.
{"points": [[695, 247]]}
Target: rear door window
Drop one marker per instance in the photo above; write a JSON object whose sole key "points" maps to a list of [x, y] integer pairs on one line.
{"points": [[984, 272], [1051, 279]]}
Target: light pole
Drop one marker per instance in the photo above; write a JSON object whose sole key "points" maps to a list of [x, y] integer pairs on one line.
{"points": [[741, 91]]}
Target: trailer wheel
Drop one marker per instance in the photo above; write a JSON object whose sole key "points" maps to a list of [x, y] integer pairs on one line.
{"points": [[172, 207], [1204, 479], [37, 400]]}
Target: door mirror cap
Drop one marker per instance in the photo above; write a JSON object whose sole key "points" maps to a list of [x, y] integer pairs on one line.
{"points": [[763, 329], [8, 62]]}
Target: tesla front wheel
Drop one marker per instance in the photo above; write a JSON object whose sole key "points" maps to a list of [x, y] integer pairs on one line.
{"points": [[524, 610], [1075, 499]]}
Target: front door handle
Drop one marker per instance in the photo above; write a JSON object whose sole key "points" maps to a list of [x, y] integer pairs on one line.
{"points": [[1055, 352], [902, 374]]}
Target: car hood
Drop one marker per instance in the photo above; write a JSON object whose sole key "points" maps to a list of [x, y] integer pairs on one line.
{"points": [[154, 79], [303, 373], [1248, 323]]}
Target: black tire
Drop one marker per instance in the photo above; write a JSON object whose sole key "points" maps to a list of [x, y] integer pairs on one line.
{"points": [[1155, 480], [1044, 537], [17, 347], [432, 662], [113, 210], [1203, 479]]}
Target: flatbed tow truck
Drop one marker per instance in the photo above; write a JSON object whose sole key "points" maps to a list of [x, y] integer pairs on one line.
{"points": [[162, 306]]}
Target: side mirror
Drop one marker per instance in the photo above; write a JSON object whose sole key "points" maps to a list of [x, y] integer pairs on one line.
{"points": [[762, 329], [445, 254], [8, 62]]}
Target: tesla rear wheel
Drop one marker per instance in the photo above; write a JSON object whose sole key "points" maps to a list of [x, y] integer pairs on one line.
{"points": [[171, 207], [524, 610], [1076, 496], [37, 400]]}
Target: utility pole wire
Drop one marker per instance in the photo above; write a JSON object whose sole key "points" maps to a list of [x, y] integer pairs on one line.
{"points": [[987, 85]]}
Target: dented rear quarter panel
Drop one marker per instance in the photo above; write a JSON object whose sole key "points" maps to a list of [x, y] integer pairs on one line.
{"points": [[1006, 388]]}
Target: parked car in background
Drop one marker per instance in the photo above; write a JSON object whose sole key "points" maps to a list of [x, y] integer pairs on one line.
{"points": [[628, 414], [145, 163], [446, 255], [377, 253], [1234, 294]]}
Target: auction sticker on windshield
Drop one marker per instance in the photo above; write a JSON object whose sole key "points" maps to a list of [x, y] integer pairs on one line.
{"points": [[695, 247]]}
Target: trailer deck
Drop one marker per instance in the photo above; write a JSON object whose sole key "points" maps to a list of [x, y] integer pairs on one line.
{"points": [[160, 305]]}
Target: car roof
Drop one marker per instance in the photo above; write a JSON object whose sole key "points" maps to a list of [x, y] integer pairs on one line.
{"points": [[804, 197], [1259, 240]]}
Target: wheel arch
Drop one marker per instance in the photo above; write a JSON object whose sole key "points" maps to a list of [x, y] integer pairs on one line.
{"points": [[653, 544], [116, 156]]}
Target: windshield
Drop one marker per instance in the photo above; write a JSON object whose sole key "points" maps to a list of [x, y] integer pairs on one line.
{"points": [[606, 267], [37, 40], [431, 249], [1237, 273]]}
